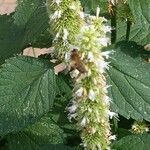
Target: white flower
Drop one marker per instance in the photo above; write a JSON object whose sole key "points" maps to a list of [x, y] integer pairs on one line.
{"points": [[89, 109], [97, 12], [104, 41], [74, 73], [107, 54], [72, 108], [83, 144], [108, 148], [72, 116], [65, 36], [79, 92], [57, 1], [89, 72], [114, 2], [99, 147], [81, 13], [102, 65], [67, 56], [112, 137], [93, 130], [105, 88], [112, 114], [106, 29], [107, 99], [72, 6], [84, 121], [56, 15], [90, 57], [92, 95], [57, 36]]}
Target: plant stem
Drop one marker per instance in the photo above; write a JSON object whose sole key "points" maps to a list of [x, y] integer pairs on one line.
{"points": [[128, 29], [113, 15]]}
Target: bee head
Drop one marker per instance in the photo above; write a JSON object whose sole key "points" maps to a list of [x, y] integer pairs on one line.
{"points": [[74, 50]]}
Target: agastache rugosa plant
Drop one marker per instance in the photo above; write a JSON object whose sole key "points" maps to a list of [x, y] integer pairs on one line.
{"points": [[90, 102]]}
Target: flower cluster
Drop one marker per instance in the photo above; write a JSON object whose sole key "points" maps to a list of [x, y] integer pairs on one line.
{"points": [[90, 103], [139, 127], [65, 22]]}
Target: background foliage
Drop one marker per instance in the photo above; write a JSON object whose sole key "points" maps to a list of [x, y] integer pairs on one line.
{"points": [[33, 98]]}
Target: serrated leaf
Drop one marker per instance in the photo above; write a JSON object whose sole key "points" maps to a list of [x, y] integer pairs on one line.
{"points": [[133, 142], [140, 28], [63, 97], [46, 131], [28, 26], [27, 91], [141, 11], [11, 38], [137, 33], [32, 15], [129, 77]]}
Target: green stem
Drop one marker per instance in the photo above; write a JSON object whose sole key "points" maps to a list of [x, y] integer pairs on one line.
{"points": [[128, 29], [114, 24]]}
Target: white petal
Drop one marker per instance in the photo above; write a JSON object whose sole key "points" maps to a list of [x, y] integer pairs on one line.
{"points": [[107, 54], [99, 147], [56, 15], [92, 95], [79, 92], [65, 36], [97, 12], [90, 57], [84, 122], [81, 15], [102, 65], [72, 6], [107, 99], [112, 114], [72, 116], [67, 56], [104, 41], [57, 36], [72, 108], [74, 73], [112, 137], [114, 2], [106, 87], [106, 29], [57, 1]]}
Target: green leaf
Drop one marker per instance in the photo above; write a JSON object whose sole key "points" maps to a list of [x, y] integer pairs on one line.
{"points": [[46, 131], [11, 38], [137, 33], [32, 16], [133, 142], [27, 91], [21, 141], [141, 11], [28, 26], [64, 95], [122, 133], [129, 77], [140, 28]]}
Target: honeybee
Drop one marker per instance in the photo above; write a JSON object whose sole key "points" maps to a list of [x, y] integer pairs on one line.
{"points": [[76, 62]]}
